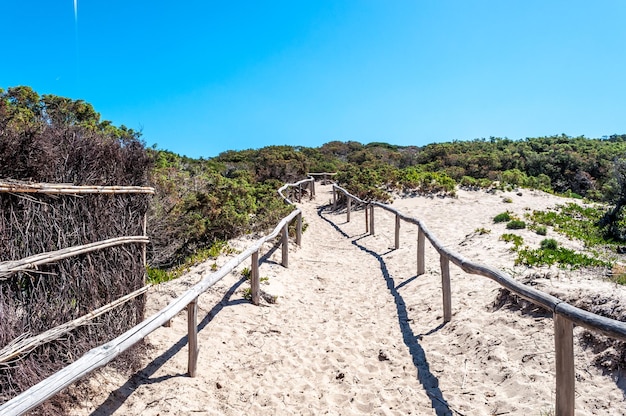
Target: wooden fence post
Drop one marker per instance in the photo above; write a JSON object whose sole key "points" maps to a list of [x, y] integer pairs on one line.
{"points": [[254, 279], [367, 220], [285, 244], [445, 287], [299, 229], [349, 204], [421, 264], [372, 232], [565, 374], [312, 188], [192, 337], [397, 232]]}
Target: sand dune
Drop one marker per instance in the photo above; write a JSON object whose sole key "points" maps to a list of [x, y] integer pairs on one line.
{"points": [[354, 331]]}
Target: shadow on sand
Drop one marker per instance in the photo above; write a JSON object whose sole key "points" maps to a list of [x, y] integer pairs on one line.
{"points": [[143, 377], [427, 379]]}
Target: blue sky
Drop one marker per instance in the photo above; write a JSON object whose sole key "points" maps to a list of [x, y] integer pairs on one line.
{"points": [[201, 77]]}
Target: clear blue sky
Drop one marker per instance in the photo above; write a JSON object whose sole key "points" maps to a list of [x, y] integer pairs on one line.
{"points": [[201, 77]]}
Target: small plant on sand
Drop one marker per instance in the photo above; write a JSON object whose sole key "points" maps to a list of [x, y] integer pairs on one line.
{"points": [[502, 217], [549, 244], [541, 229], [247, 294], [482, 230], [515, 225], [513, 238], [507, 200], [246, 272]]}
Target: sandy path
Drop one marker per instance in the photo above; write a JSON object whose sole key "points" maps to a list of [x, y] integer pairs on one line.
{"points": [[355, 331]]}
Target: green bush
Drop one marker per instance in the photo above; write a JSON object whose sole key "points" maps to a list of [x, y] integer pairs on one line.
{"points": [[502, 217], [549, 244], [541, 230], [515, 225]]}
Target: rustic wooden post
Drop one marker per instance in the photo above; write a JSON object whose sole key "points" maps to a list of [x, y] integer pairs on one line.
{"points": [[312, 188], [445, 287], [565, 374], [349, 204], [421, 264], [192, 328], [299, 229], [285, 244], [397, 232], [367, 220], [254, 279], [372, 220]]}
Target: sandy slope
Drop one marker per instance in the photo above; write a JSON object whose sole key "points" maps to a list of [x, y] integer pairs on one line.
{"points": [[354, 331]]}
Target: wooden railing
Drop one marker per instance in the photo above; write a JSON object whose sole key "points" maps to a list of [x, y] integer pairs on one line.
{"points": [[100, 356], [564, 314]]}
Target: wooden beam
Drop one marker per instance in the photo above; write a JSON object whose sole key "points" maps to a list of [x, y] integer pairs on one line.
{"points": [[255, 284], [57, 189], [192, 329], [421, 262], [445, 288], [565, 372], [299, 230], [372, 232], [32, 262], [285, 244], [397, 234], [349, 205]]}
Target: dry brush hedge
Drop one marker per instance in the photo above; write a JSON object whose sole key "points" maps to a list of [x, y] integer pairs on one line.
{"points": [[34, 301]]}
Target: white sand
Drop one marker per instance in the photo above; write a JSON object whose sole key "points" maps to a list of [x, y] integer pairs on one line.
{"points": [[354, 331]]}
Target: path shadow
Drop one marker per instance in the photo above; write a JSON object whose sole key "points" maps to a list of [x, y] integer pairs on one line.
{"points": [[427, 379], [143, 377]]}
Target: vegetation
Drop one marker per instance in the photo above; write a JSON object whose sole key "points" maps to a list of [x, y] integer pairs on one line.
{"points": [[515, 225], [513, 238], [502, 217]]}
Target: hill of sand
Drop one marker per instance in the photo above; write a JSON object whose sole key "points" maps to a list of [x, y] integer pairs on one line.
{"points": [[354, 331]]}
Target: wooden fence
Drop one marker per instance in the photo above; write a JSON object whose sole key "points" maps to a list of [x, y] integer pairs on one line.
{"points": [[564, 314], [100, 356]]}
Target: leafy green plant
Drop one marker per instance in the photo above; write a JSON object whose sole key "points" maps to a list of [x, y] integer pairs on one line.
{"points": [[513, 238], [541, 229], [515, 225], [247, 294], [246, 272], [502, 217], [563, 257]]}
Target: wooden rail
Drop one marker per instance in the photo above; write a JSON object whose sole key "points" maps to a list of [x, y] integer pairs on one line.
{"points": [[564, 314], [100, 356], [32, 262], [56, 189]]}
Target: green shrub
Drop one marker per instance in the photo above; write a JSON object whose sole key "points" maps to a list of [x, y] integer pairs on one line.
{"points": [[549, 244], [515, 225], [502, 217], [541, 230], [563, 257]]}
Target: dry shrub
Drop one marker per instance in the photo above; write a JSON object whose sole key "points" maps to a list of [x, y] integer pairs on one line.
{"points": [[34, 301]]}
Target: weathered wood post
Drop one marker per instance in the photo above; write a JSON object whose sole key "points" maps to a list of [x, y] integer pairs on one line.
{"points": [[192, 337], [312, 188], [565, 374], [285, 244], [349, 205], [372, 232], [299, 229], [367, 220], [445, 287], [255, 288], [421, 263], [397, 240]]}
